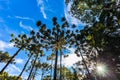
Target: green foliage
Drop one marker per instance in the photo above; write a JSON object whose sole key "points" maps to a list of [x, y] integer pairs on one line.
{"points": [[88, 10], [68, 73], [103, 34], [6, 76], [100, 36], [4, 57]]}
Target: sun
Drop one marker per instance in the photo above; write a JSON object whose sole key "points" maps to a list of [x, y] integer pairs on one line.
{"points": [[102, 70]]}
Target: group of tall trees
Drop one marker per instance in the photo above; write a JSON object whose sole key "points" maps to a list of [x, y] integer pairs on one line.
{"points": [[55, 39], [98, 42], [102, 18], [4, 58]]}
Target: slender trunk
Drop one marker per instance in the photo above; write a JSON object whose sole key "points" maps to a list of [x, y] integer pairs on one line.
{"points": [[55, 70], [35, 72], [51, 68], [24, 67], [32, 67], [60, 65], [84, 61], [10, 60], [42, 74], [85, 65]]}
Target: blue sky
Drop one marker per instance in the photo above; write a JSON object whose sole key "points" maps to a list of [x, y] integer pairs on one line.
{"points": [[20, 16]]}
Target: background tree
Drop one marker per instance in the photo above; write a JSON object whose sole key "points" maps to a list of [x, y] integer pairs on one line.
{"points": [[37, 53], [24, 66], [4, 56], [56, 38], [6, 76], [52, 58], [88, 11], [103, 35], [21, 42]]}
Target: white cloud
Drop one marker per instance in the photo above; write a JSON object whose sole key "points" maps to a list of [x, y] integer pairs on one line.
{"points": [[19, 61], [69, 17], [43, 12], [22, 18], [11, 44], [71, 59], [42, 8], [25, 18], [4, 45], [26, 27], [19, 17], [12, 69], [40, 2]]}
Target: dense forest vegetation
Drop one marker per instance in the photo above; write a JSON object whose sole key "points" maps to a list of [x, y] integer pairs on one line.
{"points": [[97, 44]]}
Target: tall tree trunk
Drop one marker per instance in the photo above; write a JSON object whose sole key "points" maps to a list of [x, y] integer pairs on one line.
{"points": [[55, 70], [89, 75], [60, 65], [32, 67], [51, 68], [85, 64], [35, 73], [10, 60], [24, 67], [42, 74]]}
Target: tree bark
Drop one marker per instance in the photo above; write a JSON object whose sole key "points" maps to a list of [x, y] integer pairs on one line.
{"points": [[35, 73], [42, 74], [32, 67], [60, 65], [55, 70], [85, 65], [51, 68], [10, 60], [24, 67]]}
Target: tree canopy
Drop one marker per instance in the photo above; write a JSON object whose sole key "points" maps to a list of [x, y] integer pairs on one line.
{"points": [[6, 76], [97, 43]]}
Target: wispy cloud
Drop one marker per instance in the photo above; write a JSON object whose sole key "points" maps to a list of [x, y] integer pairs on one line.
{"points": [[19, 61], [26, 27], [69, 17], [43, 12], [25, 18], [71, 59], [22, 18], [12, 69], [42, 8], [4, 45]]}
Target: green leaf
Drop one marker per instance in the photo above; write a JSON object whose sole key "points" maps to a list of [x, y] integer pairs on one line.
{"points": [[89, 37], [119, 22]]}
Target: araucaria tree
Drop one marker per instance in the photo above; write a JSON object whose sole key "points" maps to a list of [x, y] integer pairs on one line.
{"points": [[21, 42], [56, 39]]}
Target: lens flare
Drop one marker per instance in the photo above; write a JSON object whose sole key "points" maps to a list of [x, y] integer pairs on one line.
{"points": [[102, 70]]}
